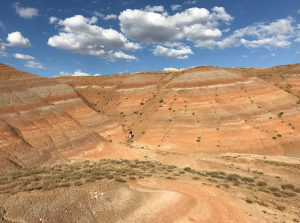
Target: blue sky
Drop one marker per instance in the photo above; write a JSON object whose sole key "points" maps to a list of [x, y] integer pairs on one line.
{"points": [[82, 37]]}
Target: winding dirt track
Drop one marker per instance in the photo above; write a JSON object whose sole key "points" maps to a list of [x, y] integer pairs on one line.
{"points": [[198, 203]]}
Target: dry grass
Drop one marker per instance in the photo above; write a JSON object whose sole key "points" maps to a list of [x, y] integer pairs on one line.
{"points": [[80, 173]]}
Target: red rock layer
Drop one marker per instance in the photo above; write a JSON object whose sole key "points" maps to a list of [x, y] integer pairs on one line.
{"points": [[203, 109], [43, 121]]}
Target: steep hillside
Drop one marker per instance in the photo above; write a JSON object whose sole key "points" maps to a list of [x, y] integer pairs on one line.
{"points": [[202, 109], [43, 122]]}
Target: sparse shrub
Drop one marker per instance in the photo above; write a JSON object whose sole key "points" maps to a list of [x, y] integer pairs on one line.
{"points": [[281, 208], [260, 183], [287, 186], [233, 177], [142, 103], [297, 190], [248, 179], [196, 178], [77, 183], [161, 101], [280, 114], [119, 179], [249, 201], [212, 180], [277, 194], [187, 169], [289, 194], [273, 189]]}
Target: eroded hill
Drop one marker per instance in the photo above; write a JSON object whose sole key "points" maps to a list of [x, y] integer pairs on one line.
{"points": [[211, 144], [202, 109]]}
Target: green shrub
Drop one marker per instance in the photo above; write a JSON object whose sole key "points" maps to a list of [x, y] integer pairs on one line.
{"points": [[161, 101]]}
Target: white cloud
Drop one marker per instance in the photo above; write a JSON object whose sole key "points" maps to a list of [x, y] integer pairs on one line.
{"points": [[23, 57], [170, 68], [273, 54], [226, 30], [298, 52], [297, 40], [97, 74], [190, 2], [228, 42], [3, 54], [78, 35], [35, 65], [2, 26], [53, 19], [98, 14], [175, 7], [16, 39], [194, 24], [45, 33], [76, 73], [273, 35], [112, 16], [244, 56], [179, 53], [159, 8], [298, 11], [27, 13]]}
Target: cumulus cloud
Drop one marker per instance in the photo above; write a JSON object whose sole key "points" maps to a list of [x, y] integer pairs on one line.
{"points": [[111, 16], [170, 68], [96, 13], [175, 7], [179, 53], [34, 65], [297, 40], [27, 13], [273, 54], [76, 73], [78, 35], [273, 35], [159, 8], [23, 57], [53, 19], [298, 11], [16, 39], [194, 24]]}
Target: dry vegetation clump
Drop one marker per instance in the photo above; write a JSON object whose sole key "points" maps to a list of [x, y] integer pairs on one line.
{"points": [[80, 173]]}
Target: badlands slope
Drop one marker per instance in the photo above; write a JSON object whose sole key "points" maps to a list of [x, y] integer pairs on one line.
{"points": [[226, 109], [44, 122], [237, 128]]}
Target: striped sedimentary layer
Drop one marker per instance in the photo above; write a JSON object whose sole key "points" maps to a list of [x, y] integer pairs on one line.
{"points": [[43, 121], [202, 109]]}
